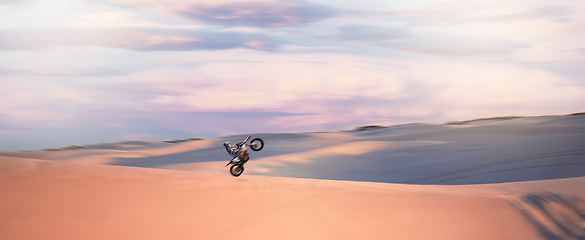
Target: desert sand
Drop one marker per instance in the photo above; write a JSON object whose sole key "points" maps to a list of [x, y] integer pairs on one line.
{"points": [[520, 178]]}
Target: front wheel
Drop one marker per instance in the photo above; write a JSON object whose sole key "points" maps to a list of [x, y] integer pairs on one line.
{"points": [[237, 170], [257, 144]]}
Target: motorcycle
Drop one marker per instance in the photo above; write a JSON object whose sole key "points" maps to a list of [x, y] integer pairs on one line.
{"points": [[237, 168]]}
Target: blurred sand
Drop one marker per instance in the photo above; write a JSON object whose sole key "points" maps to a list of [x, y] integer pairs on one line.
{"points": [[515, 179]]}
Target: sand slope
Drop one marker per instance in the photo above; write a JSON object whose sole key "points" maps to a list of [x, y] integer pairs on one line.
{"points": [[345, 185], [50, 200]]}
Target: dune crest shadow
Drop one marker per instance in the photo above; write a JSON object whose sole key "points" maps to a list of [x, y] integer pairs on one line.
{"points": [[555, 216]]}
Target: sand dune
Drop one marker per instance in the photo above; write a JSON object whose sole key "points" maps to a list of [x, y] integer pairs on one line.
{"points": [[492, 151], [521, 178]]}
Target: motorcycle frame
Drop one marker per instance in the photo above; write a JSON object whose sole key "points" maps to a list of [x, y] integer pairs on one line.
{"points": [[240, 146]]}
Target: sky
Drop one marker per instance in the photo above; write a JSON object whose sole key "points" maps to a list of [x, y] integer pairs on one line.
{"points": [[89, 71]]}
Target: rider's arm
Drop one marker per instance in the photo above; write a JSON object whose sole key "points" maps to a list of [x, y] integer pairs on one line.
{"points": [[232, 150]]}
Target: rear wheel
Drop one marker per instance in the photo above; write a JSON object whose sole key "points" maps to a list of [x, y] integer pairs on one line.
{"points": [[257, 144], [237, 170]]}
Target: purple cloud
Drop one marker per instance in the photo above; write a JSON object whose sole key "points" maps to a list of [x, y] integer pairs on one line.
{"points": [[266, 15]]}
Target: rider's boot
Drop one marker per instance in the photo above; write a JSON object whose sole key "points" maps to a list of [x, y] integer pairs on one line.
{"points": [[237, 160]]}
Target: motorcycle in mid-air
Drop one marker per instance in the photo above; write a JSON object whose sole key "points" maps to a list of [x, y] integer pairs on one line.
{"points": [[237, 167]]}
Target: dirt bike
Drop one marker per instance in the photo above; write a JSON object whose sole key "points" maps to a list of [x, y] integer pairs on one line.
{"points": [[237, 167]]}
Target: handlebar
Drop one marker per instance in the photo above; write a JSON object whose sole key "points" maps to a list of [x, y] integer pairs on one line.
{"points": [[240, 144]]}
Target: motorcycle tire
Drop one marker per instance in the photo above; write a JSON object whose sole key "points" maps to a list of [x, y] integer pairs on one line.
{"points": [[257, 144], [237, 169]]}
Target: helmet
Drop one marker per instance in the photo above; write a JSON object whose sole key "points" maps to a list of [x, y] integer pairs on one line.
{"points": [[226, 144]]}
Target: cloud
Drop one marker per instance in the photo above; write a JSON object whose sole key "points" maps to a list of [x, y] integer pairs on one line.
{"points": [[137, 39], [197, 40], [132, 30], [92, 72], [20, 40], [524, 31], [467, 90], [551, 52], [444, 44], [548, 12], [277, 14], [373, 67], [455, 45], [236, 13], [261, 85], [243, 91], [120, 19], [345, 91], [15, 2], [370, 33], [26, 101], [475, 11]]}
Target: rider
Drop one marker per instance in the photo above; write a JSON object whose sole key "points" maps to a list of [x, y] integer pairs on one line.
{"points": [[235, 150]]}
